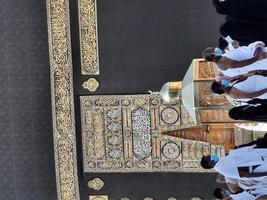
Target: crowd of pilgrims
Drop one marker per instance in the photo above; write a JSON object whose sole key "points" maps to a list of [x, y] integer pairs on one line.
{"points": [[241, 57]]}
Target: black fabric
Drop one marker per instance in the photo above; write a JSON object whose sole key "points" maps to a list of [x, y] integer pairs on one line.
{"points": [[257, 101], [218, 193], [261, 72], [248, 112], [245, 32], [261, 143], [248, 11], [27, 168], [222, 43], [246, 21], [221, 7], [236, 32]]}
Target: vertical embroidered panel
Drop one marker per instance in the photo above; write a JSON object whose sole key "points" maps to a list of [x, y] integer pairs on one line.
{"points": [[88, 37], [62, 99]]}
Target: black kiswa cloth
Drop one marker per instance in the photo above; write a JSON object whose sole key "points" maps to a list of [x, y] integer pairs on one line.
{"points": [[246, 20]]}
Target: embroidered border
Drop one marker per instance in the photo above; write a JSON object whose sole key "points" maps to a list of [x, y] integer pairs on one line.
{"points": [[62, 99], [88, 37]]}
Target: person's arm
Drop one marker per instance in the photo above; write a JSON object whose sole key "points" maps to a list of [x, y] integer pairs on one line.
{"points": [[244, 172], [253, 72], [256, 44], [262, 197], [234, 187], [238, 94], [226, 63]]}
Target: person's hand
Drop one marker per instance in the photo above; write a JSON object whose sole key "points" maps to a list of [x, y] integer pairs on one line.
{"points": [[235, 44], [253, 72], [257, 51], [259, 48], [261, 44], [242, 77], [261, 55]]}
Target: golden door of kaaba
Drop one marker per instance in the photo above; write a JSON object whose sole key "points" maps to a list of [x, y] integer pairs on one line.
{"points": [[106, 125]]}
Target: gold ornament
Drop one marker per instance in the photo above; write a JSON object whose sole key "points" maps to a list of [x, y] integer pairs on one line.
{"points": [[91, 84], [148, 198], [196, 198], [98, 197], [96, 184]]}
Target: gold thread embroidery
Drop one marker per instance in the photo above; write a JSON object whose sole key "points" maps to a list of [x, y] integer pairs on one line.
{"points": [[88, 37], [62, 99], [96, 184], [122, 133], [91, 84]]}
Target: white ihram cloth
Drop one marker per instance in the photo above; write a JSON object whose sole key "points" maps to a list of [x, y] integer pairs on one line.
{"points": [[229, 41], [249, 183], [244, 53], [258, 192], [243, 196], [242, 157], [249, 195], [253, 84]]}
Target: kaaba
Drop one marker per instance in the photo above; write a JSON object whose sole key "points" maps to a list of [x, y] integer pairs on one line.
{"points": [[82, 117]]}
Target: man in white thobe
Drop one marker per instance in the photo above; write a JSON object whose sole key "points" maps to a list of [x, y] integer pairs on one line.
{"points": [[257, 194], [240, 60], [243, 162]]}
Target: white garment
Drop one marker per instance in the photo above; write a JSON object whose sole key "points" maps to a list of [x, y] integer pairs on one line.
{"points": [[229, 41], [249, 195], [249, 149], [231, 180], [243, 149], [261, 168], [253, 46], [242, 157], [227, 167], [253, 84], [250, 158], [243, 196], [239, 54], [244, 53], [251, 183], [258, 192]]}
